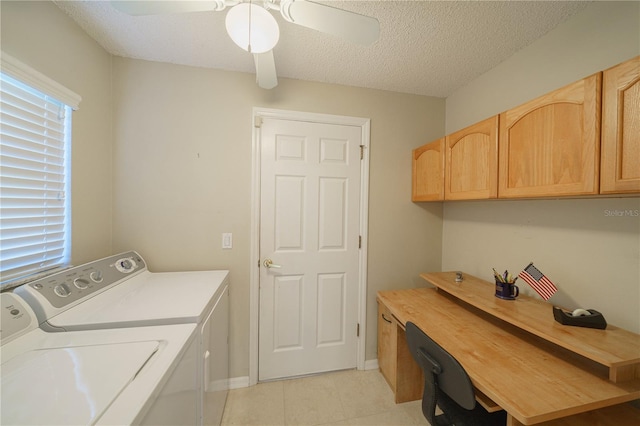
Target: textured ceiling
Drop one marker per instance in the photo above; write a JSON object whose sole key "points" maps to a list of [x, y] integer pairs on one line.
{"points": [[425, 47]]}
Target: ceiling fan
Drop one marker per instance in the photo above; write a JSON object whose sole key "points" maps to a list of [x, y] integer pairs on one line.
{"points": [[254, 29]]}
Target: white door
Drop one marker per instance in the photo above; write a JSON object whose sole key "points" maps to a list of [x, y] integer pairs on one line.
{"points": [[309, 230]]}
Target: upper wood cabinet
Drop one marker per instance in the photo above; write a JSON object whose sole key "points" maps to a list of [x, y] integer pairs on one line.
{"points": [[620, 166], [428, 172], [550, 146], [471, 164]]}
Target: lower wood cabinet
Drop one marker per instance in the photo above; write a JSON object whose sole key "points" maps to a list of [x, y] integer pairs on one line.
{"points": [[393, 351], [387, 335], [620, 169]]}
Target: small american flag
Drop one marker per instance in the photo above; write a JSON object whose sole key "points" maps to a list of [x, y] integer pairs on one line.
{"points": [[536, 279]]}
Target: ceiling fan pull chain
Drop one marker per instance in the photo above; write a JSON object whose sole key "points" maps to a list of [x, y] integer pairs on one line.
{"points": [[250, 7]]}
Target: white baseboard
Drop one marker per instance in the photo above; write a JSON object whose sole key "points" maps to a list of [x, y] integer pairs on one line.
{"points": [[239, 382], [371, 364]]}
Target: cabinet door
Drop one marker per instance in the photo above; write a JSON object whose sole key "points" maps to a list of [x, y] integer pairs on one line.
{"points": [[550, 146], [428, 172], [387, 337], [620, 170], [471, 168]]}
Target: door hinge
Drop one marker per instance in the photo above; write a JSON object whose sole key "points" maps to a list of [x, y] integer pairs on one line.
{"points": [[362, 152], [359, 241], [358, 330], [257, 122]]}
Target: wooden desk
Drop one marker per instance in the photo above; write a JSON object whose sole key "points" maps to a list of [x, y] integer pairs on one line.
{"points": [[533, 379], [615, 348]]}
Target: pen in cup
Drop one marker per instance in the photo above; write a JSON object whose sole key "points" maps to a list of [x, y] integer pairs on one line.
{"points": [[504, 278]]}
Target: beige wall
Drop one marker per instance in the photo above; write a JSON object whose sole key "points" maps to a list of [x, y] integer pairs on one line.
{"points": [[182, 173], [161, 160], [41, 36], [591, 252]]}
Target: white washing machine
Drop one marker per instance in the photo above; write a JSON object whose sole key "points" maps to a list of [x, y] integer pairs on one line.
{"points": [[120, 292], [142, 375]]}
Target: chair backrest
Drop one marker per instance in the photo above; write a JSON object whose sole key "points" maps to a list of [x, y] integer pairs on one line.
{"points": [[449, 375]]}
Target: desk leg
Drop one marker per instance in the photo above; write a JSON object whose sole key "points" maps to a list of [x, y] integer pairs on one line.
{"points": [[513, 422], [409, 379]]}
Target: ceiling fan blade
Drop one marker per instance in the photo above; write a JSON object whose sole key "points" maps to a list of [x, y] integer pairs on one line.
{"points": [[265, 70], [160, 7], [351, 26]]}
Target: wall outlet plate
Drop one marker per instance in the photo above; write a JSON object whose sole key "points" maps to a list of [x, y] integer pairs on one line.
{"points": [[227, 240]]}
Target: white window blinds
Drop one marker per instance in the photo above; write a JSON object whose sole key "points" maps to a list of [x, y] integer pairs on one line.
{"points": [[35, 213]]}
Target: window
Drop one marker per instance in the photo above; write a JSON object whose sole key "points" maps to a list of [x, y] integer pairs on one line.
{"points": [[35, 150]]}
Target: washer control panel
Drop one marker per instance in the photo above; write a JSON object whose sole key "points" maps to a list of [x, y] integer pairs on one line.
{"points": [[126, 265], [72, 285], [17, 318]]}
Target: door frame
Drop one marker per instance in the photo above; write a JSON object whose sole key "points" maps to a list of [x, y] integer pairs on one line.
{"points": [[254, 275]]}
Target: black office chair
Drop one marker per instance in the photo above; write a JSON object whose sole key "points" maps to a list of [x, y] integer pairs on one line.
{"points": [[447, 385]]}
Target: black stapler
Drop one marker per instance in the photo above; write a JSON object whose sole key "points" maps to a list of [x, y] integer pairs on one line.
{"points": [[589, 318]]}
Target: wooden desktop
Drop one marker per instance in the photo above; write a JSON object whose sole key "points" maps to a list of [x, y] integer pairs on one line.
{"points": [[518, 357]]}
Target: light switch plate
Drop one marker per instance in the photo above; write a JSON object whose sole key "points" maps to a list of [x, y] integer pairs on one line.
{"points": [[227, 240]]}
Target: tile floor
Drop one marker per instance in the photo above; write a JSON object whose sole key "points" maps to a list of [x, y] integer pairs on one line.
{"points": [[342, 398]]}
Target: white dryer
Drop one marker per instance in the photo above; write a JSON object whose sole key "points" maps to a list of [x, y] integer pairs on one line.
{"points": [[142, 375], [120, 292]]}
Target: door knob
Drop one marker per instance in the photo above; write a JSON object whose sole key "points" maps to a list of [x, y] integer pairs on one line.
{"points": [[268, 263]]}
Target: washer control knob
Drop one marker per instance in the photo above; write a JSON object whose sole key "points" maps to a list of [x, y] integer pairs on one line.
{"points": [[81, 283], [126, 266], [96, 276], [62, 290]]}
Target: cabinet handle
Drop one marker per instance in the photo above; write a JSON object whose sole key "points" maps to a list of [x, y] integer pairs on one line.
{"points": [[385, 318]]}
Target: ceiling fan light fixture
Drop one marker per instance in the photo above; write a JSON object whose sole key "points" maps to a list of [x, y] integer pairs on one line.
{"points": [[252, 28]]}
